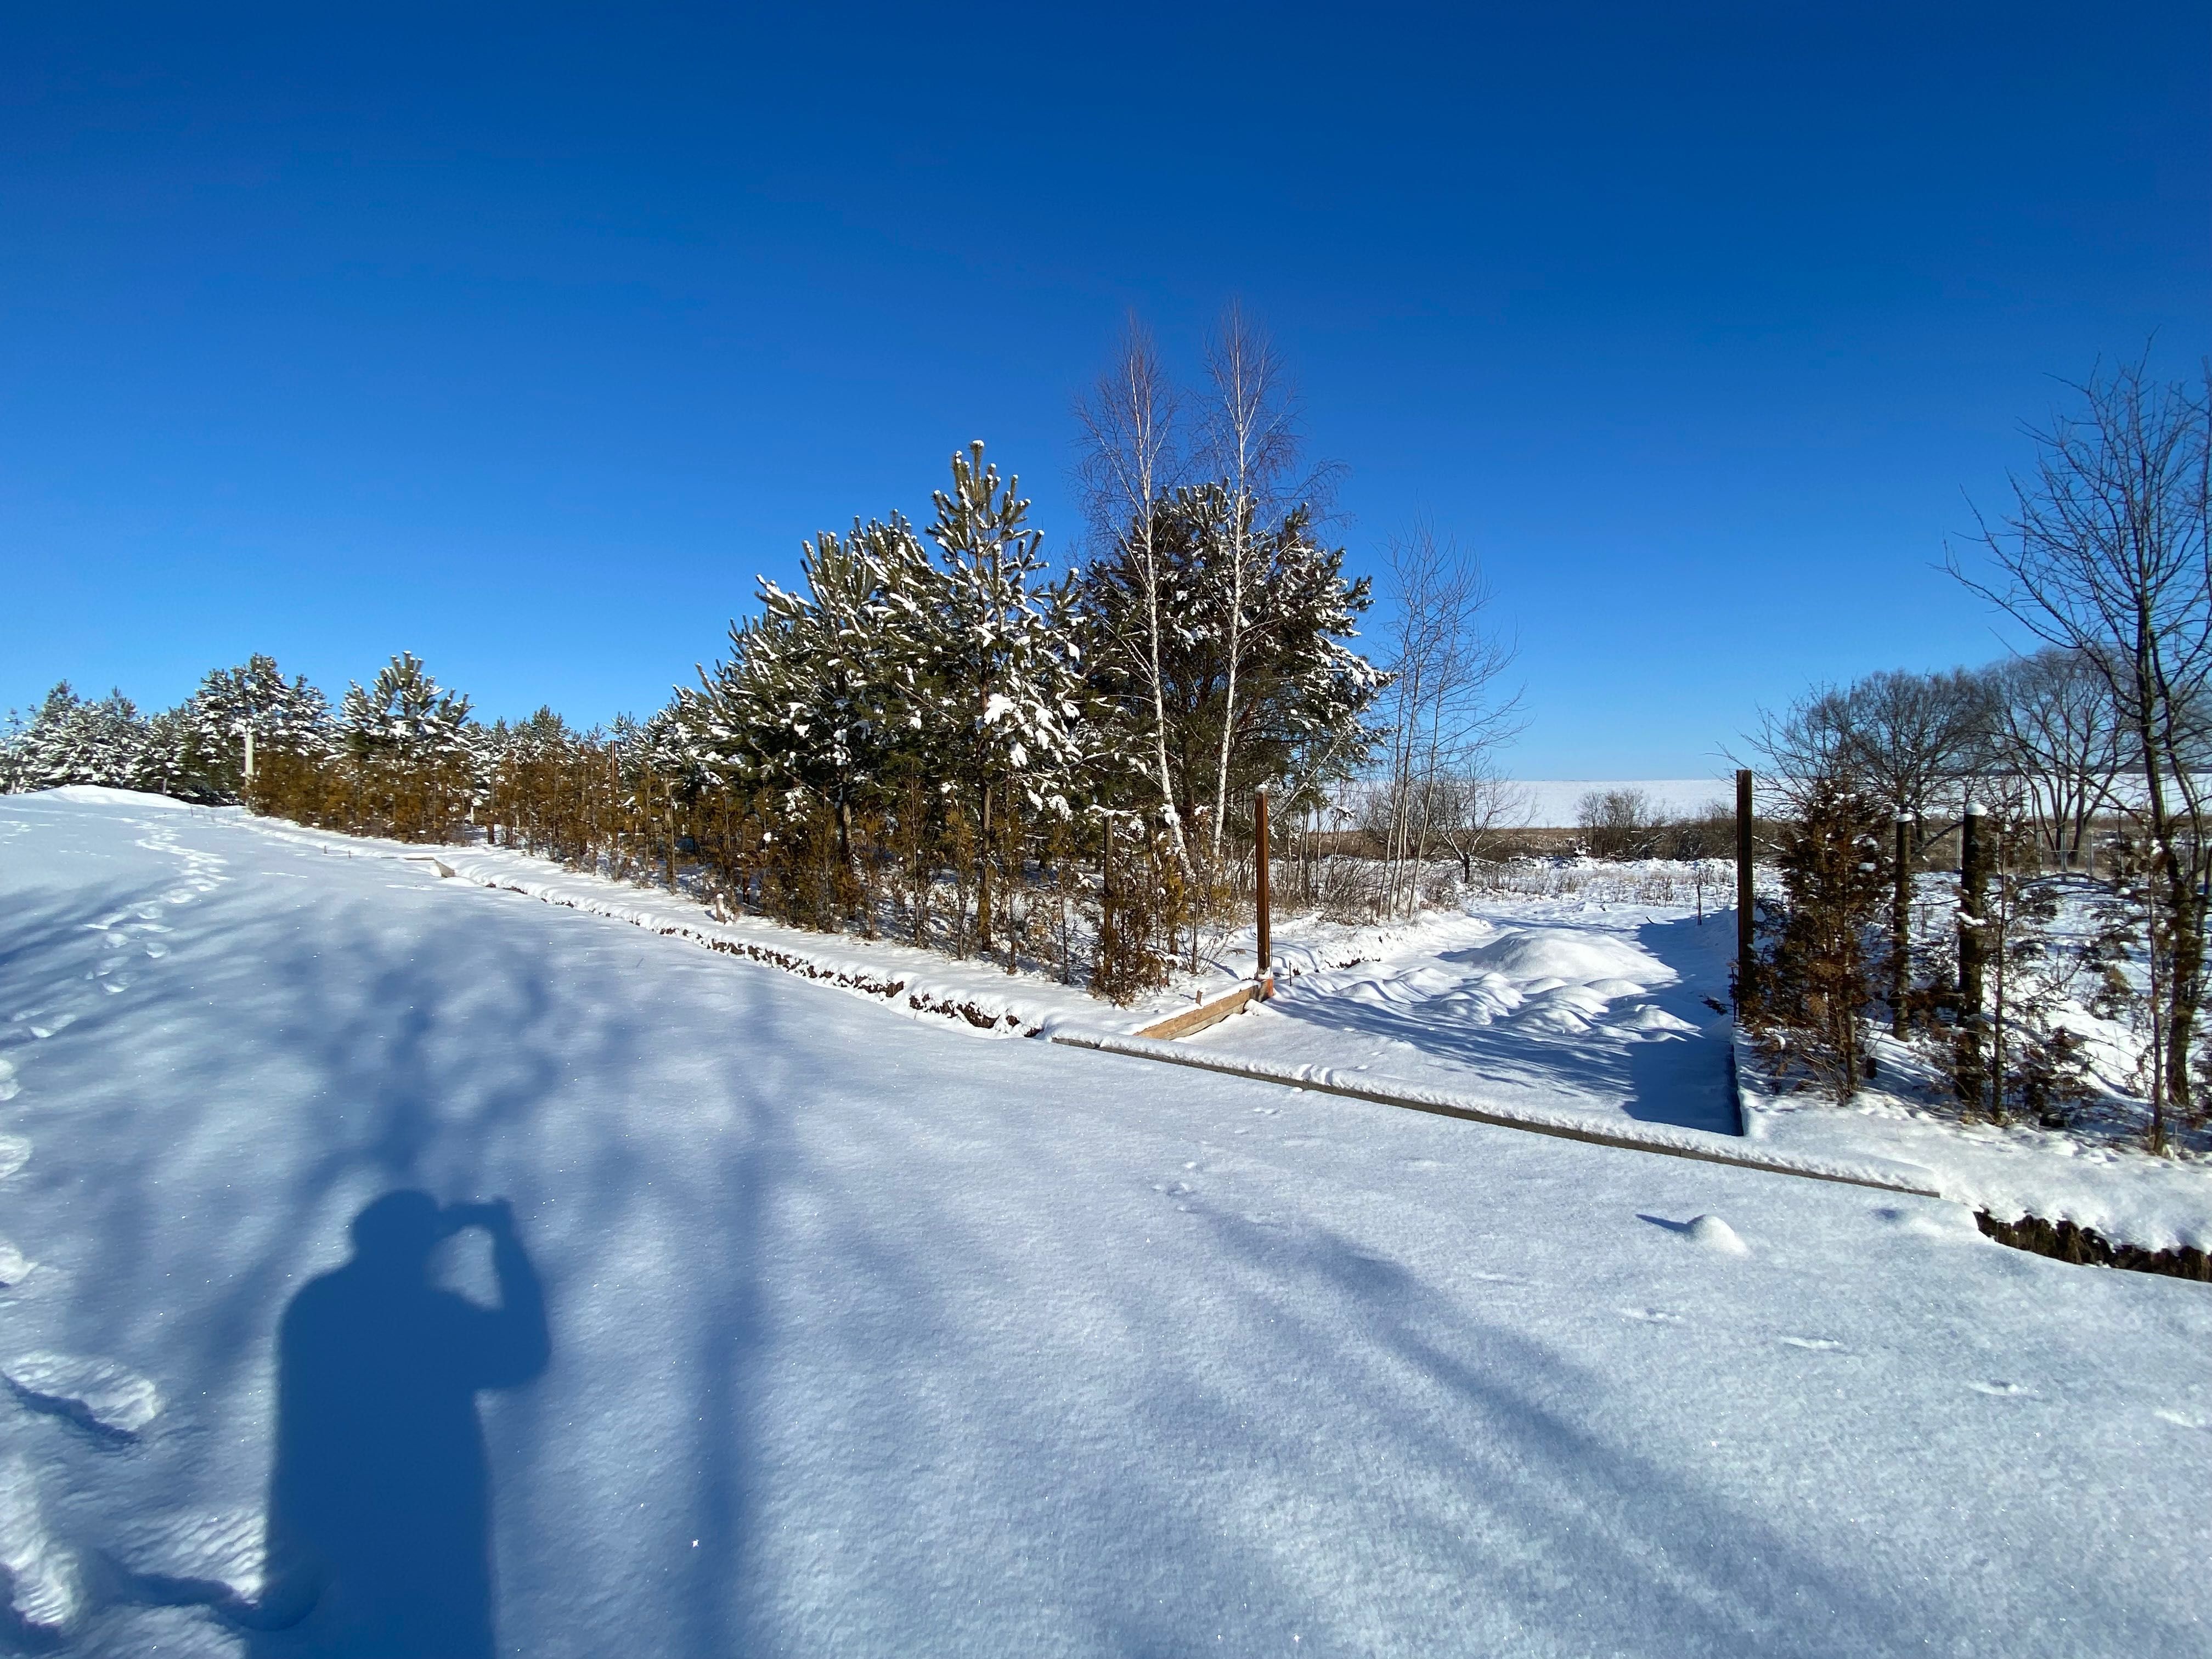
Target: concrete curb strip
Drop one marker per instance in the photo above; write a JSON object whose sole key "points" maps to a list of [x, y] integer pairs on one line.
{"points": [[1675, 1143]]}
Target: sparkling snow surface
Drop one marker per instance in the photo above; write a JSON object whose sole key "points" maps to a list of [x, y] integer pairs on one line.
{"points": [[1565, 1004], [1608, 1010], [872, 1336]]}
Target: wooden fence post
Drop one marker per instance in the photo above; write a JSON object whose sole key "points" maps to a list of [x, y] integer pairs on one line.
{"points": [[1264, 970], [1973, 954], [1900, 927], [1743, 893]]}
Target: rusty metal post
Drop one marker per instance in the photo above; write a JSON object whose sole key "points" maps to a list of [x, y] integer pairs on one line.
{"points": [[1263, 969]]}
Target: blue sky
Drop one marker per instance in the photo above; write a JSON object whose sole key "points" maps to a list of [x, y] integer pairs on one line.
{"points": [[523, 339]]}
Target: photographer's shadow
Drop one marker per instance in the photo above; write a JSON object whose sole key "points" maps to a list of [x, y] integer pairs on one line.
{"points": [[379, 1504]]}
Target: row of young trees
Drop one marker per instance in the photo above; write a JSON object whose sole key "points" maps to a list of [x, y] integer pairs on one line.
{"points": [[2084, 761], [934, 731]]}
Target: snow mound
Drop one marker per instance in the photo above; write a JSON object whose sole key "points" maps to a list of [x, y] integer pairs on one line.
{"points": [[15, 1152], [97, 1393], [1710, 1233], [100, 794], [13, 1264], [1572, 956], [1652, 1018], [8, 1087]]}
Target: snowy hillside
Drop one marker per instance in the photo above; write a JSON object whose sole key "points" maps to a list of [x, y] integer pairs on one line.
{"points": [[864, 1332]]}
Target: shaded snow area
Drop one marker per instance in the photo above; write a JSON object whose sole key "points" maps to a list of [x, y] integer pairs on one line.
{"points": [[1532, 1006], [863, 1333], [1606, 1010]]}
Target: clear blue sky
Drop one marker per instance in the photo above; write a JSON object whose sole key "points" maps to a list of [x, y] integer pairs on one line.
{"points": [[525, 339]]}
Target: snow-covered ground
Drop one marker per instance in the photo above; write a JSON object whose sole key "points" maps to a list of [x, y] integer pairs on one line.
{"points": [[869, 1334], [1540, 1004], [1613, 1009]]}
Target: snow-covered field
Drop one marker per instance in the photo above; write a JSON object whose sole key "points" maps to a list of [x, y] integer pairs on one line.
{"points": [[1556, 802], [869, 1333]]}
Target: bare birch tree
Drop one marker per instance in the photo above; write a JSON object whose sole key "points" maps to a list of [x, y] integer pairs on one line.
{"points": [[1251, 443], [1131, 459]]}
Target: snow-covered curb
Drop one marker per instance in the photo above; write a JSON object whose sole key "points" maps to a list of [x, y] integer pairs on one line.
{"points": [[1644, 1138], [2127, 1198], [1747, 1087], [911, 980]]}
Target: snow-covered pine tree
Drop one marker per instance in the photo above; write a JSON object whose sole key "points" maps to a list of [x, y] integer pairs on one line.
{"points": [[412, 750], [536, 773], [816, 708], [287, 719], [68, 739], [1002, 685]]}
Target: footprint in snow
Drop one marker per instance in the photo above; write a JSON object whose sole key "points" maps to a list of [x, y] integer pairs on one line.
{"points": [[97, 1394]]}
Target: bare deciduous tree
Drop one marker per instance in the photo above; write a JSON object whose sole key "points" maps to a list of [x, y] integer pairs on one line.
{"points": [[2058, 734], [1911, 741], [1619, 824], [2106, 555], [1474, 809], [1447, 709]]}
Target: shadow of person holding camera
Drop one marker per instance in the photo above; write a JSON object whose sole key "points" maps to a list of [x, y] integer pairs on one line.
{"points": [[380, 1505]]}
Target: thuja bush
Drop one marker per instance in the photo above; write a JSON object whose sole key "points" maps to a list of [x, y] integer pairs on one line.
{"points": [[1809, 991]]}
